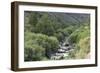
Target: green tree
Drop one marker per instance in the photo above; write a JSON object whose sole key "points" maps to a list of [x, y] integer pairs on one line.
{"points": [[45, 26], [34, 53], [31, 19], [39, 43]]}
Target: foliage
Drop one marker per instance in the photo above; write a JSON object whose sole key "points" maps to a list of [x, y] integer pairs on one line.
{"points": [[45, 31], [34, 52], [37, 44], [82, 43]]}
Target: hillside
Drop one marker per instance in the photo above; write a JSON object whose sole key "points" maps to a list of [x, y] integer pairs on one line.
{"points": [[48, 33]]}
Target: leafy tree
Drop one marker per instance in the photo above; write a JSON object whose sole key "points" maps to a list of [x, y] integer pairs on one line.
{"points": [[39, 43], [45, 26], [34, 53], [31, 19], [59, 36]]}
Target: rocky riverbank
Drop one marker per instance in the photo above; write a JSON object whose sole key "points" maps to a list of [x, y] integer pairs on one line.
{"points": [[62, 52]]}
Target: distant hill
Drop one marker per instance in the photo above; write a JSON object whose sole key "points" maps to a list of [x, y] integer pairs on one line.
{"points": [[65, 18]]}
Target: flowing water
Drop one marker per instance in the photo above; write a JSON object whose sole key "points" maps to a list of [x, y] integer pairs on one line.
{"points": [[62, 52]]}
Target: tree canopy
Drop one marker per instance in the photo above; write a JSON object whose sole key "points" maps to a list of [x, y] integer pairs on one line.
{"points": [[45, 31]]}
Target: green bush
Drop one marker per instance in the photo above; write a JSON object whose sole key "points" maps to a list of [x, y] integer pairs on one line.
{"points": [[38, 45], [84, 50], [81, 39], [34, 53]]}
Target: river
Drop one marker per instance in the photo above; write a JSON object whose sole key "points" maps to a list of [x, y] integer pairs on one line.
{"points": [[62, 52]]}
